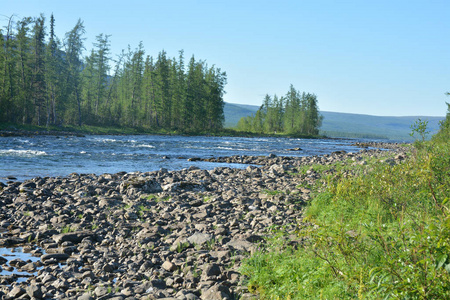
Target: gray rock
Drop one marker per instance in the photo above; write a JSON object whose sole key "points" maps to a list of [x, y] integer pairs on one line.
{"points": [[54, 256], [216, 292], [74, 237], [34, 291], [16, 292], [211, 270], [169, 266], [100, 291], [199, 238], [85, 296]]}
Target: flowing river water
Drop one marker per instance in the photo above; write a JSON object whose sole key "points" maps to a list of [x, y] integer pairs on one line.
{"points": [[27, 157]]}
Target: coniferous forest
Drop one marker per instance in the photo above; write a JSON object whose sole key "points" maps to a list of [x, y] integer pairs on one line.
{"points": [[50, 81], [294, 113]]}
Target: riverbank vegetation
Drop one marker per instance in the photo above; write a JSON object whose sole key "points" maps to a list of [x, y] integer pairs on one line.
{"points": [[295, 113], [374, 231], [46, 81]]}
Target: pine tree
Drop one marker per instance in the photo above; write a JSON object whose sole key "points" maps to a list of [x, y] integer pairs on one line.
{"points": [[38, 72], [74, 48], [24, 67], [54, 74]]}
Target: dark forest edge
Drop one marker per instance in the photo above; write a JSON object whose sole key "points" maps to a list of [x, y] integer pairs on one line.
{"points": [[9, 129]]}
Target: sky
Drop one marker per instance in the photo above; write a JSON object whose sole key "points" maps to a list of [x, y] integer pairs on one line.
{"points": [[375, 57]]}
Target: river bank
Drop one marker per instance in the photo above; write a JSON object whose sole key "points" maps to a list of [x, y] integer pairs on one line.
{"points": [[18, 130], [161, 234]]}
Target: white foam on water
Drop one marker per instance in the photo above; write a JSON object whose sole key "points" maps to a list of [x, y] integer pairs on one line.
{"points": [[144, 146], [23, 153]]}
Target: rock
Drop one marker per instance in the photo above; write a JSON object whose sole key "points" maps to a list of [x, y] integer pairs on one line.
{"points": [[16, 292], [100, 291], [277, 170], [211, 270], [169, 266], [216, 292], [74, 237], [199, 238], [183, 186], [34, 291], [3, 260], [85, 296], [239, 244], [54, 256]]}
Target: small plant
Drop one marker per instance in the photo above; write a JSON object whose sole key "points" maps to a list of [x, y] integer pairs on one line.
{"points": [[272, 193], [210, 244], [420, 128], [66, 229], [182, 246]]}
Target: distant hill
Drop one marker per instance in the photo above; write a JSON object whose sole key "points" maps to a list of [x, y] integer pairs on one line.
{"points": [[348, 125]]}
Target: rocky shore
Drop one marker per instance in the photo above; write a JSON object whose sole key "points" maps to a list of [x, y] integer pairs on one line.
{"points": [[154, 235]]}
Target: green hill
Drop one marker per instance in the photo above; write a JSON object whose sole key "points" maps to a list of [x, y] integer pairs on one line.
{"points": [[348, 125]]}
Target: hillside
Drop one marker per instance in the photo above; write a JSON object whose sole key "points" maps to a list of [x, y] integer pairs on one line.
{"points": [[348, 125]]}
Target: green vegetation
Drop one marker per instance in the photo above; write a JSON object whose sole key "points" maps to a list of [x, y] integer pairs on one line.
{"points": [[46, 81], [380, 231], [295, 113]]}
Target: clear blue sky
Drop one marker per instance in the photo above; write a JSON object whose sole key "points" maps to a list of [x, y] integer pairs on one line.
{"points": [[373, 57]]}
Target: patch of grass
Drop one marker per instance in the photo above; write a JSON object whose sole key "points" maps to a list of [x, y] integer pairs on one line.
{"points": [[156, 198], [66, 229], [379, 231]]}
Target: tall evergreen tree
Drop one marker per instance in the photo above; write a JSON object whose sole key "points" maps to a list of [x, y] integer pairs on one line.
{"points": [[24, 67], [53, 74], [74, 47], [38, 73]]}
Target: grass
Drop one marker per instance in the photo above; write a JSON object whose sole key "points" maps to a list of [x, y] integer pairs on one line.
{"points": [[378, 231], [66, 229]]}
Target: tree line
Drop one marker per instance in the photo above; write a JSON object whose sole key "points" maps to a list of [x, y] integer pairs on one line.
{"points": [[45, 80], [294, 113]]}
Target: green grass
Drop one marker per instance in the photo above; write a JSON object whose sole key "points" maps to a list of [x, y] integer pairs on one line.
{"points": [[377, 232]]}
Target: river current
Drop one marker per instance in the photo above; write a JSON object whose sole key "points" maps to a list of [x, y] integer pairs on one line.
{"points": [[28, 157]]}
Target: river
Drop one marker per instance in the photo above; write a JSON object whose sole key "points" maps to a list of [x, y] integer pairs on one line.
{"points": [[28, 157]]}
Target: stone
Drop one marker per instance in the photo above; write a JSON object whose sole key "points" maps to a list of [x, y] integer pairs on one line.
{"points": [[169, 266], [85, 296], [199, 238], [54, 256], [101, 291], [216, 292], [74, 237], [34, 291], [211, 270], [16, 292]]}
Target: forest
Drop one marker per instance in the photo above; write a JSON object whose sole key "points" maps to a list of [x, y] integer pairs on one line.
{"points": [[48, 81], [294, 113]]}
